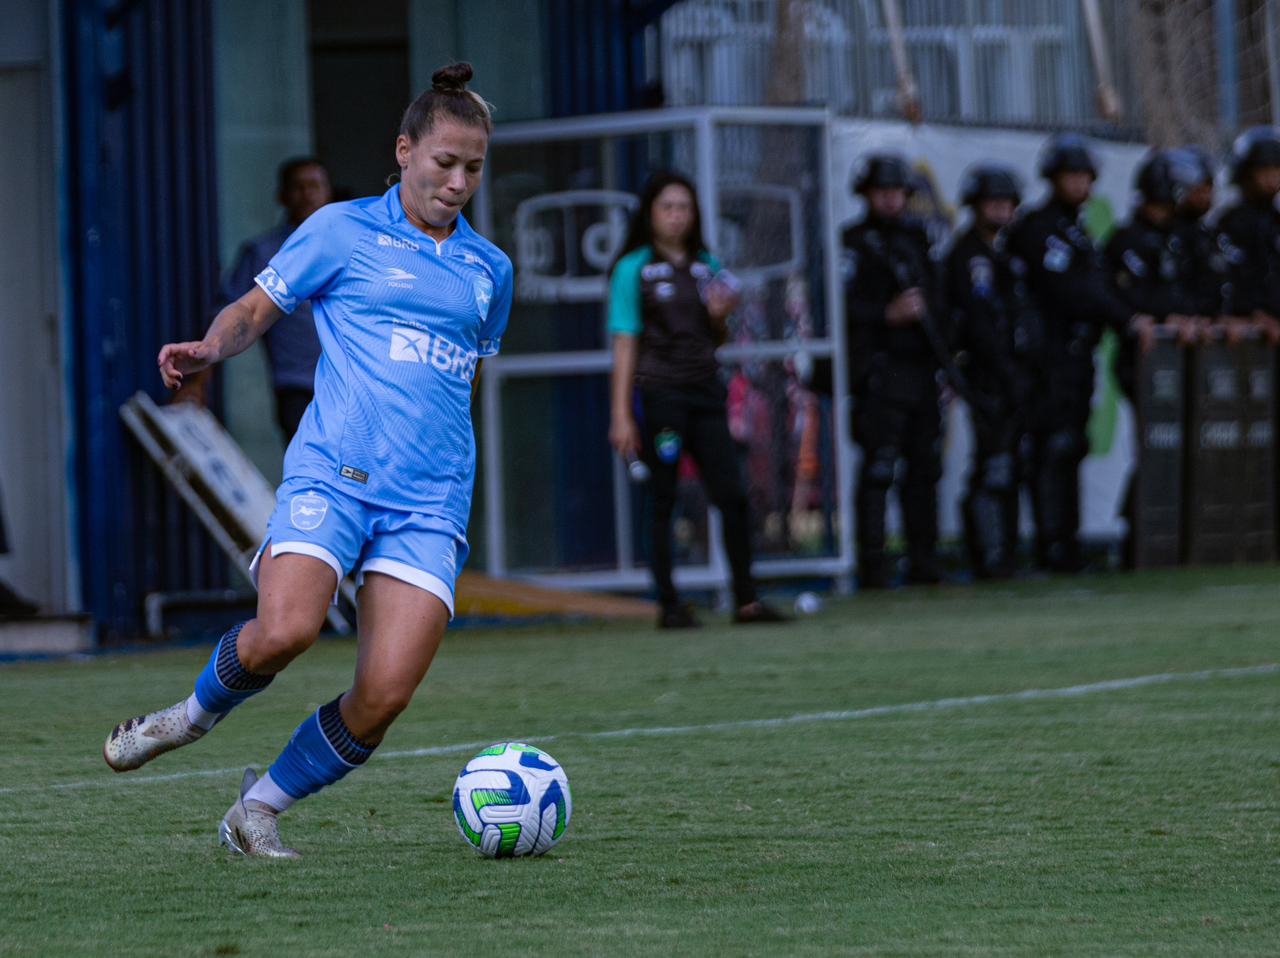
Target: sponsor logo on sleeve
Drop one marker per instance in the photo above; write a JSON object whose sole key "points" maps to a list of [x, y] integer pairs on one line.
{"points": [[275, 287]]}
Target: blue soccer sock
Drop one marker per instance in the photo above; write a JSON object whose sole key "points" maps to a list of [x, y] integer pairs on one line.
{"points": [[321, 751], [224, 683]]}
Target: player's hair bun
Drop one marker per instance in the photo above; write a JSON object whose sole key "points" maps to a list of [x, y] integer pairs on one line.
{"points": [[448, 98], [452, 78]]}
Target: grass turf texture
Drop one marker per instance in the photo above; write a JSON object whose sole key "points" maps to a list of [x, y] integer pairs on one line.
{"points": [[1131, 821]]}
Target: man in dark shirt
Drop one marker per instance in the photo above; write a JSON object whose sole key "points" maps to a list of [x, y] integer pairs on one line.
{"points": [[1208, 249], [995, 324], [1252, 225], [1068, 283], [892, 307], [293, 348], [1149, 260]]}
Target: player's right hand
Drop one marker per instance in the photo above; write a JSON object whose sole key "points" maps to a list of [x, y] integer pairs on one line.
{"points": [[624, 436], [176, 360]]}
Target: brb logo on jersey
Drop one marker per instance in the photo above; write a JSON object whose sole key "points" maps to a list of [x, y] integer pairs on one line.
{"points": [[307, 511], [397, 242], [409, 344]]}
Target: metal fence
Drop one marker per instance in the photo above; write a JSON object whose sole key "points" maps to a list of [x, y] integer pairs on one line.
{"points": [[987, 62], [554, 504]]}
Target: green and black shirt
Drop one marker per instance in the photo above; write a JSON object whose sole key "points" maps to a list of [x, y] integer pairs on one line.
{"points": [[661, 303]]}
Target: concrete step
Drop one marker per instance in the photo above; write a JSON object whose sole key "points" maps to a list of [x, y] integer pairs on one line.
{"points": [[46, 635]]}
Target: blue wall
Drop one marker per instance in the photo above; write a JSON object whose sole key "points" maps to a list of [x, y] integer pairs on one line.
{"points": [[142, 261]]}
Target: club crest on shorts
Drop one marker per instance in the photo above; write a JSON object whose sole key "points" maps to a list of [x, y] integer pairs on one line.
{"points": [[307, 511], [667, 445]]}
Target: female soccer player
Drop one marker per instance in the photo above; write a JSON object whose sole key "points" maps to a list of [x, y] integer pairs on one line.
{"points": [[667, 313], [408, 300]]}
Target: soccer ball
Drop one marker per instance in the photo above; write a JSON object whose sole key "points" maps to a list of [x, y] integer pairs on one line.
{"points": [[512, 799]]}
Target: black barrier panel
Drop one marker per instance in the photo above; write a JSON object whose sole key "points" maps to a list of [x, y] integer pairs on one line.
{"points": [[1257, 503], [1215, 446], [1156, 534]]}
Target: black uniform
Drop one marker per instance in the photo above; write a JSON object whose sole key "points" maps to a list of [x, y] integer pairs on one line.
{"points": [[893, 377], [683, 403], [1252, 230], [1151, 271], [1067, 280], [996, 328], [1208, 256]]}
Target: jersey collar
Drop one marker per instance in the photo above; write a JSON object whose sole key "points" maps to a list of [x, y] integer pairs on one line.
{"points": [[394, 210]]}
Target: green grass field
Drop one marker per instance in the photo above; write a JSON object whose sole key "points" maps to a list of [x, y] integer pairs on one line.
{"points": [[1126, 819]]}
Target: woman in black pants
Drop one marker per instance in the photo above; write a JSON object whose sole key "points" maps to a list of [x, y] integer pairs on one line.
{"points": [[667, 312]]}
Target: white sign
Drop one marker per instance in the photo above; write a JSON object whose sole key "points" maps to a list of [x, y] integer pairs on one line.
{"points": [[566, 243]]}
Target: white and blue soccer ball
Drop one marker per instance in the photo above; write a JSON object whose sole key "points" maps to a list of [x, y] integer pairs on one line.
{"points": [[512, 799]]}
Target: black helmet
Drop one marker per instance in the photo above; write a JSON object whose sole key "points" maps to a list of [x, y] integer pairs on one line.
{"points": [[989, 181], [1257, 146], [883, 170], [1203, 161], [1166, 176], [1067, 153]]}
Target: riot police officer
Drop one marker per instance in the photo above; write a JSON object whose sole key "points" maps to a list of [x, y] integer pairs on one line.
{"points": [[892, 304], [1252, 226], [1207, 249], [995, 326], [1067, 280], [1149, 261], [1150, 265]]}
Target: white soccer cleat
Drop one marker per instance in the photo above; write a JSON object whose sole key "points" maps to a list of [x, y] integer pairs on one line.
{"points": [[251, 828], [133, 743]]}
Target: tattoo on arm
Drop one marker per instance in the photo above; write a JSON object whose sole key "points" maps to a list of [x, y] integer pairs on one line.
{"points": [[240, 333]]}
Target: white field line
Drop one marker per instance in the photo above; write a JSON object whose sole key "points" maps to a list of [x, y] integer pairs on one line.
{"points": [[875, 711]]}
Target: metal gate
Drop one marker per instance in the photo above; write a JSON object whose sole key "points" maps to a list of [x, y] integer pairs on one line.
{"points": [[555, 505]]}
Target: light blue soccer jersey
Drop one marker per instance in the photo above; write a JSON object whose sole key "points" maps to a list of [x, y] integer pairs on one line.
{"points": [[402, 322]]}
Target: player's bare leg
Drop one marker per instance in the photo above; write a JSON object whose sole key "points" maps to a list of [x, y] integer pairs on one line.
{"points": [[401, 627], [294, 593]]}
